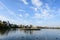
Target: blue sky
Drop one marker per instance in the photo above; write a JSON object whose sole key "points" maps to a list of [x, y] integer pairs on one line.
{"points": [[35, 12]]}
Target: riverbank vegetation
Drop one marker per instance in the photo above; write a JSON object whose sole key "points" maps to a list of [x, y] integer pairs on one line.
{"points": [[8, 25]]}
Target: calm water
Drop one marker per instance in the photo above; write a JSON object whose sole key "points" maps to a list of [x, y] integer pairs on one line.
{"points": [[17, 34]]}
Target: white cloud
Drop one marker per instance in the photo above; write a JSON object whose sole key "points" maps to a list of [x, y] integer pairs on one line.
{"points": [[25, 2], [20, 15], [44, 12], [37, 3], [26, 14], [47, 6], [21, 10], [36, 9], [43, 15], [41, 8], [3, 18], [37, 15]]}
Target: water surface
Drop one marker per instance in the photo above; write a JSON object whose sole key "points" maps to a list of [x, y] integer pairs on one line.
{"points": [[17, 34]]}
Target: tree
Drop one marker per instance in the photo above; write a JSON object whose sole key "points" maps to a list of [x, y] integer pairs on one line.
{"points": [[30, 26]]}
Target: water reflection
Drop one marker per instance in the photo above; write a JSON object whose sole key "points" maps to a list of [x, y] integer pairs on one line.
{"points": [[18, 34], [29, 31], [6, 31]]}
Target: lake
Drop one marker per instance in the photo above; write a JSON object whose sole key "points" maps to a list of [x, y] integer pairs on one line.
{"points": [[18, 34]]}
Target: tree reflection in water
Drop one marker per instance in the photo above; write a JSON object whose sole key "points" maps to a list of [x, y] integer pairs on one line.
{"points": [[29, 31], [6, 31]]}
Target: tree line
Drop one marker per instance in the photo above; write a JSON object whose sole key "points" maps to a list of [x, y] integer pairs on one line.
{"points": [[7, 24]]}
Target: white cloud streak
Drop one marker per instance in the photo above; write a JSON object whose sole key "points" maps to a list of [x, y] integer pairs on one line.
{"points": [[37, 3], [8, 10], [13, 21], [21, 10], [25, 2], [10, 15], [41, 13]]}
